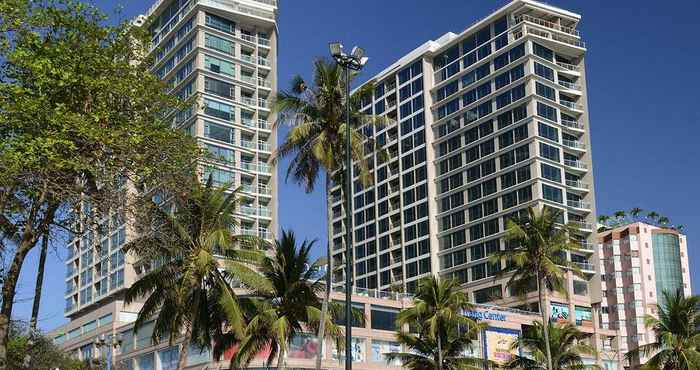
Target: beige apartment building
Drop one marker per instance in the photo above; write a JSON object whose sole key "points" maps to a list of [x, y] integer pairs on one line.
{"points": [[224, 52], [639, 261]]}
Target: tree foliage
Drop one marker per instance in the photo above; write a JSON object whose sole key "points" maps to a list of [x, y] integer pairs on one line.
{"points": [[35, 351], [79, 108]]}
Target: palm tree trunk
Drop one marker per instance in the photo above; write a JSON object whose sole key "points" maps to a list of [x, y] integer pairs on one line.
{"points": [[182, 359], [329, 274], [280, 358], [439, 348], [542, 295], [39, 282]]}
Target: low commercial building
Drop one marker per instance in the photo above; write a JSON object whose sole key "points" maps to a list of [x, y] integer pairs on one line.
{"points": [[107, 335]]}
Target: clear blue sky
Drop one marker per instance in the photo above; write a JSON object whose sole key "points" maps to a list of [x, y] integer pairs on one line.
{"points": [[643, 98]]}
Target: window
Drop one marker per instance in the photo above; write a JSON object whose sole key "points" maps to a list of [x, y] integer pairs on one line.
{"points": [[543, 71], [552, 193], [548, 132], [545, 91], [544, 110], [219, 110], [220, 44], [219, 88], [488, 294], [383, 318], [549, 152], [478, 272], [218, 65], [218, 132], [551, 173], [543, 52], [220, 24]]}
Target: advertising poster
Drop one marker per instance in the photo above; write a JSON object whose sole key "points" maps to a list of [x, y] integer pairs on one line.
{"points": [[584, 316], [498, 344], [359, 350], [380, 347], [303, 346], [559, 312]]}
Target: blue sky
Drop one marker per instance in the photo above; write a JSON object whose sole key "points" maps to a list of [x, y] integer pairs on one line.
{"points": [[643, 98]]}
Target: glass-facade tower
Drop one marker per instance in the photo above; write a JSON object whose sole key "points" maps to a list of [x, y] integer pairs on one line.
{"points": [[486, 124]]}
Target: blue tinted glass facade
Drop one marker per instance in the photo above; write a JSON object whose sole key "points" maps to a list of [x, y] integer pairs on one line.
{"points": [[667, 263]]}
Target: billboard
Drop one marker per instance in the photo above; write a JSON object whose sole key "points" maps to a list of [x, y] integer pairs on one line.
{"points": [[498, 344], [559, 312]]}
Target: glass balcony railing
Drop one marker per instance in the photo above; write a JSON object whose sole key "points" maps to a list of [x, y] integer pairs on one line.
{"points": [[575, 164], [248, 144], [568, 66], [247, 58], [578, 204], [577, 184], [263, 62], [572, 124], [574, 144], [569, 85], [263, 42], [263, 124], [571, 105], [264, 147]]}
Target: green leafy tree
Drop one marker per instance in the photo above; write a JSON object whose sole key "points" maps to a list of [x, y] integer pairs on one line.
{"points": [[653, 216], [536, 258], [664, 221], [315, 142], [565, 342], [438, 306], [195, 259], [290, 308], [79, 107], [677, 337], [635, 212], [423, 353], [620, 216], [29, 350]]}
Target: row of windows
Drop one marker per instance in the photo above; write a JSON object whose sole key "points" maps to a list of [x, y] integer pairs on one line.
{"points": [[183, 51], [181, 33], [476, 252]]}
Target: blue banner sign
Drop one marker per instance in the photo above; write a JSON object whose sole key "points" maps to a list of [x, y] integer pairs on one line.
{"points": [[486, 315]]}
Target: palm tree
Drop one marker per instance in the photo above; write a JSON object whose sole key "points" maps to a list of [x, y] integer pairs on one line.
{"points": [[603, 219], [635, 212], [680, 228], [194, 260], [652, 216], [565, 342], [664, 221], [438, 306], [539, 258], [423, 352], [316, 141], [619, 216], [677, 344], [289, 308]]}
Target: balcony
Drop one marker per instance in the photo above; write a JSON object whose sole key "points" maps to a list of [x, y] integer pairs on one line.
{"points": [[571, 124], [263, 42], [569, 85], [248, 79], [268, 2], [247, 58], [574, 144], [582, 225], [578, 204], [263, 62], [577, 184], [263, 124], [568, 67], [263, 103], [585, 267], [571, 105], [572, 41], [547, 24], [262, 189], [247, 144], [264, 147], [247, 122], [264, 83], [586, 246], [246, 37], [576, 164], [248, 101]]}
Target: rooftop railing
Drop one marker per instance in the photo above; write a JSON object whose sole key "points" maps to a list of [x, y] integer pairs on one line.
{"points": [[547, 24]]}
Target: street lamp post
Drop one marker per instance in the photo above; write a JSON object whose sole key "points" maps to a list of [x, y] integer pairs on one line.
{"points": [[353, 61]]}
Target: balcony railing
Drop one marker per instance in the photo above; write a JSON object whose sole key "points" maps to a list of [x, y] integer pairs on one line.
{"points": [[574, 144], [247, 58], [575, 164], [264, 83], [547, 24], [259, 167], [572, 124], [569, 85], [249, 38], [582, 225], [571, 105], [248, 79], [248, 101], [263, 124], [586, 246], [568, 66], [247, 122], [262, 103], [586, 267], [577, 184], [265, 147], [263, 62], [263, 42], [268, 2], [578, 204], [248, 144], [557, 37]]}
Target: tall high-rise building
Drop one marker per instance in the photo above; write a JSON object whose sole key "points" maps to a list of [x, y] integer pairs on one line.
{"points": [[486, 123], [223, 52], [639, 262]]}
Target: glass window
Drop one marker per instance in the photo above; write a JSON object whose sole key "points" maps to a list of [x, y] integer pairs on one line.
{"points": [[218, 132], [543, 52], [381, 347], [548, 132], [552, 193], [219, 65], [549, 152], [198, 355], [551, 173], [543, 71], [545, 91], [544, 110], [220, 23], [218, 43], [383, 318]]}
